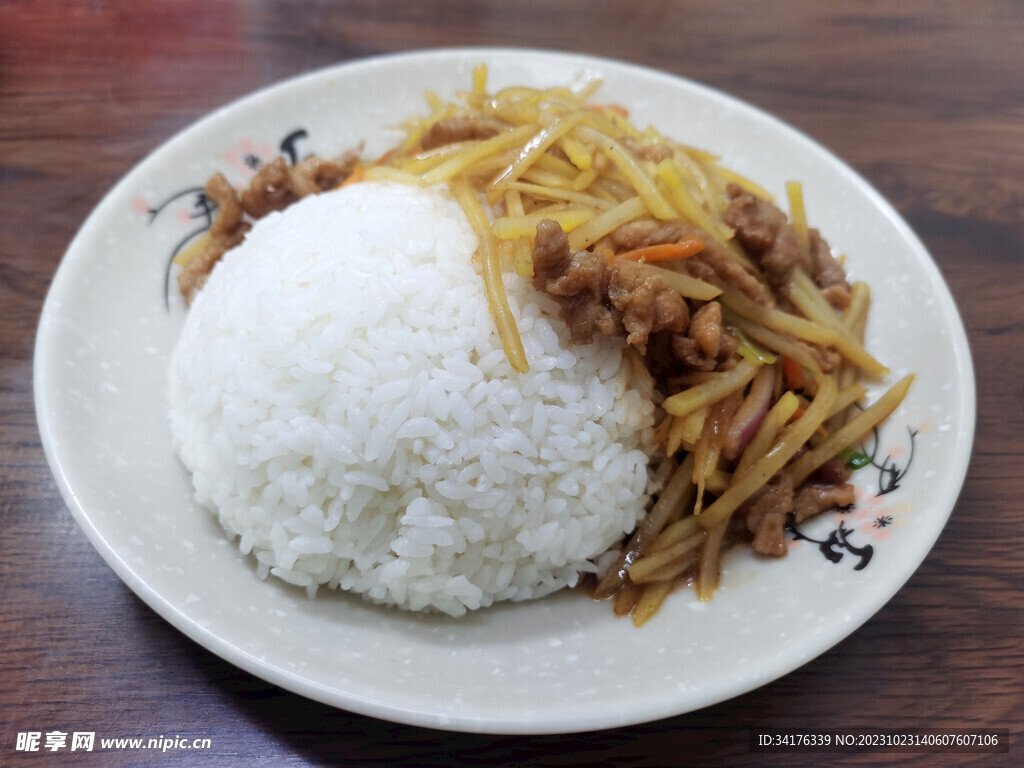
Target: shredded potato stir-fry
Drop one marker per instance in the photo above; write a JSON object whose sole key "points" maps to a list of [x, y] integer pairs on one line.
{"points": [[756, 424], [550, 154], [563, 158]]}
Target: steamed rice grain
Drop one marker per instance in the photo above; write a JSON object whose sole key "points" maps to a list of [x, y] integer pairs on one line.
{"points": [[343, 402]]}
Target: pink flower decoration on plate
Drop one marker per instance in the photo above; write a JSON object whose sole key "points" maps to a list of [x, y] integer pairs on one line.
{"points": [[878, 528], [882, 521], [249, 156]]}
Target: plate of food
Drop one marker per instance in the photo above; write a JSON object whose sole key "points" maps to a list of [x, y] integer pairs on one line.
{"points": [[504, 390]]}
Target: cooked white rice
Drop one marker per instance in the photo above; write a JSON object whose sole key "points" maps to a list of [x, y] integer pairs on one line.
{"points": [[343, 403]]}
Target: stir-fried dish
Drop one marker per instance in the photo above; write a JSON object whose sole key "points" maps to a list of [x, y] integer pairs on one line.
{"points": [[740, 312]]}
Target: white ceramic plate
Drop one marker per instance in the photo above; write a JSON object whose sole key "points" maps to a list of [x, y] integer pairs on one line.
{"points": [[563, 663]]}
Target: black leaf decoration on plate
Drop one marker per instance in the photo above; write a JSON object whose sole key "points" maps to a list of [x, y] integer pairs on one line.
{"points": [[204, 210], [836, 545]]}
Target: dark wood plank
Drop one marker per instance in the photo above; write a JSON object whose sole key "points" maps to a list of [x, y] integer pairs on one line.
{"points": [[926, 99]]}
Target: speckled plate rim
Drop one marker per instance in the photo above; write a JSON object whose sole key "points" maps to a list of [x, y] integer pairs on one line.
{"points": [[587, 717]]}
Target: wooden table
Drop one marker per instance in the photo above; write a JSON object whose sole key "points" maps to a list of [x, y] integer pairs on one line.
{"points": [[925, 99]]}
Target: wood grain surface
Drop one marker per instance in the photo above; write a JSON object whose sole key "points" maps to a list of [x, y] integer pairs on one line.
{"points": [[925, 99]]}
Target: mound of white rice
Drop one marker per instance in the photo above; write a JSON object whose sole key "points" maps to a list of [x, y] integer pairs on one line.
{"points": [[343, 403]]}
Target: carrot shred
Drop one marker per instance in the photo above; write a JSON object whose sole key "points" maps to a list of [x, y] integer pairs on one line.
{"points": [[354, 178], [618, 109], [386, 157], [794, 373], [666, 251]]}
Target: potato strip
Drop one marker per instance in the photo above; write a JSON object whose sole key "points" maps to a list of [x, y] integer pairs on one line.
{"points": [[625, 599], [606, 222], [508, 227], [851, 432], [522, 258], [387, 173], [744, 183], [557, 166], [554, 193], [700, 186], [693, 425], [536, 147], [675, 496], [803, 329], [675, 533], [781, 343], [710, 391], [650, 601], [415, 135], [433, 100], [197, 246], [577, 152], [648, 564], [631, 171], [673, 570], [480, 80], [676, 435], [584, 180], [475, 153], [687, 206], [846, 397], [425, 161], [708, 450], [856, 315], [854, 320], [718, 481], [705, 457], [808, 299], [786, 446], [773, 422], [539, 176], [798, 214], [709, 570], [690, 287], [497, 301]]}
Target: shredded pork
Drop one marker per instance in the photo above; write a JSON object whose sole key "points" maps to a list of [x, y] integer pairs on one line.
{"points": [[602, 296], [766, 234], [453, 129], [274, 187], [827, 273], [226, 231], [641, 233], [812, 500], [598, 297], [766, 518], [654, 152]]}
